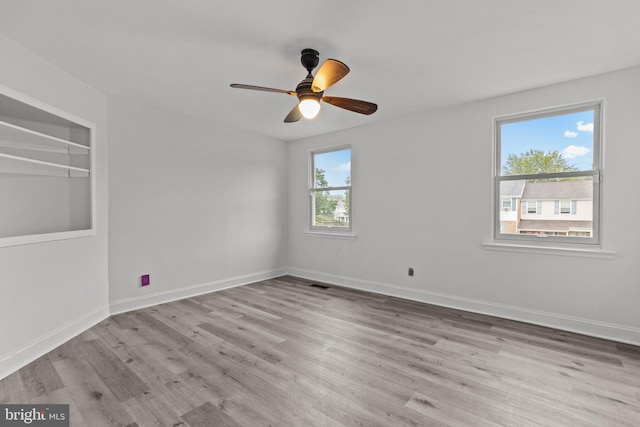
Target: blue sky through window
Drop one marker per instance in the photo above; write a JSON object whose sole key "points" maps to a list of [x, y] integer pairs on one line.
{"points": [[569, 134], [337, 166]]}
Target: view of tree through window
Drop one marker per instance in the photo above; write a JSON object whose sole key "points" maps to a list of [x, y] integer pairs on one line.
{"points": [[547, 174], [331, 189]]}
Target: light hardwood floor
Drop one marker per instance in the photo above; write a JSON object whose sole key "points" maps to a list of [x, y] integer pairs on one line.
{"points": [[285, 353]]}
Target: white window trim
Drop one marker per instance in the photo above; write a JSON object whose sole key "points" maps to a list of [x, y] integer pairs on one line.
{"points": [[566, 245], [339, 232], [551, 250], [331, 235]]}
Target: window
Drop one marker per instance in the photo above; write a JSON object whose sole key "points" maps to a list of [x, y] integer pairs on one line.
{"points": [[566, 207], [550, 162], [531, 207], [330, 189], [509, 204]]}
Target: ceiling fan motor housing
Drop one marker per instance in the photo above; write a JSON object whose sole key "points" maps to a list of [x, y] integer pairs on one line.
{"points": [[304, 91], [309, 59]]}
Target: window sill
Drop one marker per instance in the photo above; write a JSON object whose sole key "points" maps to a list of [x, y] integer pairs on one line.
{"points": [[331, 234], [548, 250]]}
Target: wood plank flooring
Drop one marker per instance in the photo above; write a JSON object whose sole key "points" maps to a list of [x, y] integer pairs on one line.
{"points": [[284, 353]]}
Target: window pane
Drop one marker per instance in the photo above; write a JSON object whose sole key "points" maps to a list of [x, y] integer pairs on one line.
{"points": [[331, 208], [332, 169], [559, 143], [532, 207], [552, 207]]}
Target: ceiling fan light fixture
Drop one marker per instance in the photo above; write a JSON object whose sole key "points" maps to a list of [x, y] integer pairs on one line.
{"points": [[309, 107], [310, 91]]}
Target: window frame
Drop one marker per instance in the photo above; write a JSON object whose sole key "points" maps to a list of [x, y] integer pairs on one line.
{"points": [[595, 174], [312, 190]]}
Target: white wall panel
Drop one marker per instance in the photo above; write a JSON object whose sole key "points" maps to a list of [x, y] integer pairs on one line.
{"points": [[196, 205]]}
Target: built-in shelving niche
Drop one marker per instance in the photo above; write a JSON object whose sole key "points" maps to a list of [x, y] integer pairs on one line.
{"points": [[46, 179]]}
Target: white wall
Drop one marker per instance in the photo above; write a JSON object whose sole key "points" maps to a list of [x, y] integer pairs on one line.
{"points": [[196, 205], [51, 291], [422, 199]]}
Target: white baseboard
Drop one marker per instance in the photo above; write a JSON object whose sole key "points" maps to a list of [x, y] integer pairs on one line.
{"points": [[619, 333], [135, 303], [15, 360]]}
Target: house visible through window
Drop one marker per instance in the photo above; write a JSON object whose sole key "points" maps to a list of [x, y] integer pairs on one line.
{"points": [[548, 163], [330, 189]]}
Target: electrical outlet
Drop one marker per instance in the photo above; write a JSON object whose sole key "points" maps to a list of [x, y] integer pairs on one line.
{"points": [[411, 271], [145, 280]]}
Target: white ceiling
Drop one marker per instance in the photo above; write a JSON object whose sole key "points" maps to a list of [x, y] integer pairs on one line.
{"points": [[406, 55]]}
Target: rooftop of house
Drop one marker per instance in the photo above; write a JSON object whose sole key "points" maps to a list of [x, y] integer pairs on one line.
{"points": [[573, 189], [512, 188], [554, 225]]}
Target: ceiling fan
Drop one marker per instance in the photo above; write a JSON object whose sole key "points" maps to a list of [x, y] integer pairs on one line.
{"points": [[310, 90]]}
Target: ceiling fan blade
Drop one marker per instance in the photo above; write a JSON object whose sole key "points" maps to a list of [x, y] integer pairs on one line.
{"points": [[355, 105], [329, 73], [294, 115], [262, 88]]}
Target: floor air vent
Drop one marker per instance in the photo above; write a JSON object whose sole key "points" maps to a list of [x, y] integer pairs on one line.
{"points": [[315, 285]]}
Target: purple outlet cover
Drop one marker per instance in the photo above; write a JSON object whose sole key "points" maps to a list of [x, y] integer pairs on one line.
{"points": [[145, 280]]}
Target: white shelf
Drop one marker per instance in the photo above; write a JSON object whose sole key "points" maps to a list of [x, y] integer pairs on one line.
{"points": [[46, 172], [73, 171], [17, 136]]}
